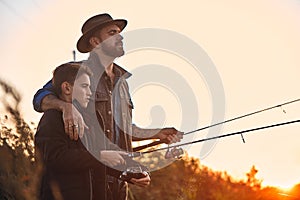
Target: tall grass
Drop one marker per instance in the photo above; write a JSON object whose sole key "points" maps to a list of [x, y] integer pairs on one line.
{"points": [[19, 173]]}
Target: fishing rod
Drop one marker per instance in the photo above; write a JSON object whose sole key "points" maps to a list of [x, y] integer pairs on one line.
{"points": [[178, 152], [243, 116], [219, 123]]}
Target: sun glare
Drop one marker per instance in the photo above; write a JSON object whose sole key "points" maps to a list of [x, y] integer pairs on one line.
{"points": [[286, 189], [283, 185]]}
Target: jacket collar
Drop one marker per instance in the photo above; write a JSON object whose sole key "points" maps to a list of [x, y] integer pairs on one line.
{"points": [[96, 66]]}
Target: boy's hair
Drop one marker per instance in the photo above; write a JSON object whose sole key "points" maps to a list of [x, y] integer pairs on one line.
{"points": [[67, 73]]}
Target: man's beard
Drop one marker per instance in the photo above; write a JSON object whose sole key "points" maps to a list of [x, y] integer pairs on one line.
{"points": [[113, 51]]}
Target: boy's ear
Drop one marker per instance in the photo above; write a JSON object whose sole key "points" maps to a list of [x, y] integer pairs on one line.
{"points": [[66, 88]]}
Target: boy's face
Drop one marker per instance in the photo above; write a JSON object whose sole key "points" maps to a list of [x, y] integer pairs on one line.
{"points": [[81, 90]]}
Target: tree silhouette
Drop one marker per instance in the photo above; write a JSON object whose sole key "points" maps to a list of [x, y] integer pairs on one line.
{"points": [[252, 181]]}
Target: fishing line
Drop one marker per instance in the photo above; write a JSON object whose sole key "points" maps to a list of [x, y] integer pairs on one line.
{"points": [[243, 116]]}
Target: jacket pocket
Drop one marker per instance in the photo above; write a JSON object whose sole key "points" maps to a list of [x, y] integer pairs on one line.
{"points": [[101, 105], [101, 96]]}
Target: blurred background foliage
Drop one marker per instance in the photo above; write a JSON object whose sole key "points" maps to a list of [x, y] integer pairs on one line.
{"points": [[19, 174]]}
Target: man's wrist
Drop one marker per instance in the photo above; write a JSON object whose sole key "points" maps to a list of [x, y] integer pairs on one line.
{"points": [[154, 133], [146, 133]]}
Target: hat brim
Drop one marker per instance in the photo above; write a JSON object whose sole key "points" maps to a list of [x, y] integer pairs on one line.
{"points": [[83, 45]]}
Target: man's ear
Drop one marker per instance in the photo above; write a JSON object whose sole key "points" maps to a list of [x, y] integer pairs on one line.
{"points": [[94, 41], [66, 88]]}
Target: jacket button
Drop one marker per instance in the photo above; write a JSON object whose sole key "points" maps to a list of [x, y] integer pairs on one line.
{"points": [[109, 112], [108, 131]]}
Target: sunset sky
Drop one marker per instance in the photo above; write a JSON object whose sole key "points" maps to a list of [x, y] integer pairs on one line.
{"points": [[253, 45]]}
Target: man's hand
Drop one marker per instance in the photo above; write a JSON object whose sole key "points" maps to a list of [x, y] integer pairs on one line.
{"points": [[112, 158], [73, 121], [169, 135], [141, 182]]}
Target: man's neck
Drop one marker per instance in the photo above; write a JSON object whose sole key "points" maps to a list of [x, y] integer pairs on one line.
{"points": [[109, 70], [105, 59], [107, 63]]}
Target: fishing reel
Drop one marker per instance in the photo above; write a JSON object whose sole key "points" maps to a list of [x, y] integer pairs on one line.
{"points": [[174, 153], [133, 172]]}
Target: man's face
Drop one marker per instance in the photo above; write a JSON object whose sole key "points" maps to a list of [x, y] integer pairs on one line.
{"points": [[111, 41], [81, 90]]}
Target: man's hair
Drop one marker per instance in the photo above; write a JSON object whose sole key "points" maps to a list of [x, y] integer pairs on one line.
{"points": [[67, 73]]}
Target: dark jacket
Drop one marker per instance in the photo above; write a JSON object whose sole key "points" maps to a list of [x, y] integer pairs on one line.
{"points": [[70, 171]]}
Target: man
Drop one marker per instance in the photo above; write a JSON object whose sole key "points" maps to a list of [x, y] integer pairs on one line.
{"points": [[70, 171], [112, 102]]}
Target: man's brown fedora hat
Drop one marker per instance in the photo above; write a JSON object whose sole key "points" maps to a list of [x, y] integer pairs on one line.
{"points": [[93, 24]]}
